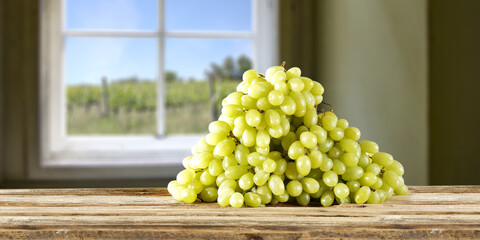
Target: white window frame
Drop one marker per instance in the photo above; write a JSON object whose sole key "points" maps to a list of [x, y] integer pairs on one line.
{"points": [[111, 157]]}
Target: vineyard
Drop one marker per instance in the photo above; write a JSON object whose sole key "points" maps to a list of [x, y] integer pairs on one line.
{"points": [[129, 106]]}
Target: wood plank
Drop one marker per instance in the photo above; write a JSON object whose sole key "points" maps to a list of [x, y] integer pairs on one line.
{"points": [[428, 212]]}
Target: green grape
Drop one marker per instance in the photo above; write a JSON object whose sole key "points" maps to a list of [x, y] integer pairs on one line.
{"points": [[248, 102], [300, 104], [253, 117], [342, 123], [363, 160], [335, 152], [189, 195], [275, 132], [396, 167], [219, 127], [249, 75], [232, 110], [294, 188], [368, 179], [272, 70], [382, 195], [288, 105], [214, 138], [201, 160], [330, 178], [336, 134], [317, 89], [275, 155], [264, 193], [296, 84], [291, 171], [390, 178], [288, 140], [303, 199], [281, 166], [318, 99], [272, 118], [228, 161], [263, 151], [252, 199], [301, 130], [276, 98], [235, 172], [215, 167], [275, 183], [243, 87], [284, 197], [327, 198], [362, 195], [310, 119], [185, 176], [209, 194], [369, 146], [263, 104], [296, 150], [186, 162], [293, 72], [281, 87], [326, 146], [224, 198], [316, 159], [403, 190], [234, 98], [349, 145], [241, 154], [220, 179], [374, 168], [207, 179], [269, 165], [320, 133], [378, 184], [224, 148], [353, 186], [329, 122], [338, 167], [308, 83], [278, 76], [263, 139], [285, 126], [352, 133], [303, 165], [259, 89], [246, 181], [374, 198], [308, 139], [309, 99], [341, 190], [261, 177], [352, 173], [256, 159], [327, 164], [382, 159], [236, 200], [310, 185], [228, 183], [249, 137]]}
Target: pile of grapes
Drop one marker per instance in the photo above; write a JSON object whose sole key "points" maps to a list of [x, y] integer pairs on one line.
{"points": [[271, 144]]}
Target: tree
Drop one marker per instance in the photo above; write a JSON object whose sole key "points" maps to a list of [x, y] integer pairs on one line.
{"points": [[171, 76], [228, 67], [244, 63]]}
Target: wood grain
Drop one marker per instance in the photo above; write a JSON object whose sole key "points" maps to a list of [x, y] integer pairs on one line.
{"points": [[428, 212]]}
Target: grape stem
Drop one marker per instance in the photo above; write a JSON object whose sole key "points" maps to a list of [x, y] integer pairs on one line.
{"points": [[329, 105], [283, 64]]}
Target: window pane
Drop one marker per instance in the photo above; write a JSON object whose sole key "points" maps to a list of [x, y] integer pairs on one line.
{"points": [[112, 14], [189, 63], [126, 104], [212, 15]]}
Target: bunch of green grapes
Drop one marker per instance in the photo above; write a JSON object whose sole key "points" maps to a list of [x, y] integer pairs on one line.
{"points": [[271, 145]]}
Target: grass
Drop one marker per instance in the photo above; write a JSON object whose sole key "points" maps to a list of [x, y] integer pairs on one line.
{"points": [[182, 119]]}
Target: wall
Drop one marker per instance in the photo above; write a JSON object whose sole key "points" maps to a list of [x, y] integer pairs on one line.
{"points": [[455, 86], [1, 91], [373, 64]]}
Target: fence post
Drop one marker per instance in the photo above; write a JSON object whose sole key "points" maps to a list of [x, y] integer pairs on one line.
{"points": [[213, 97], [105, 98]]}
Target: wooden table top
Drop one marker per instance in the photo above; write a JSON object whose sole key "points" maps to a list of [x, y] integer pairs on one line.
{"points": [[428, 212]]}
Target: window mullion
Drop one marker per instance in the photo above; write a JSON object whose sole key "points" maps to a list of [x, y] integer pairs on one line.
{"points": [[161, 108]]}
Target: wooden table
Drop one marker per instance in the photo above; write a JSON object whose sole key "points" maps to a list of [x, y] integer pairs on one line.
{"points": [[428, 212]]}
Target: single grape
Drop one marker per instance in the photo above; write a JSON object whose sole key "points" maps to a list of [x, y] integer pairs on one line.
{"points": [[382, 159], [303, 165], [330, 178], [252, 199], [275, 183], [369, 146], [362, 195], [276, 98], [308, 139], [209, 194], [303, 199], [189, 195], [327, 198], [236, 200], [341, 190], [310, 185], [296, 85], [253, 117], [294, 188], [352, 133]]}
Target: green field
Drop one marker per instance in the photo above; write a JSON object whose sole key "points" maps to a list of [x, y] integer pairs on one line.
{"points": [[132, 107]]}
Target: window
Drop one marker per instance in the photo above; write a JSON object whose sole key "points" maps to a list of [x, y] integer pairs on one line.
{"points": [[124, 91]]}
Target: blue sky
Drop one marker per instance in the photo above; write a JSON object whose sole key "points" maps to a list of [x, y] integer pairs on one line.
{"points": [[87, 59]]}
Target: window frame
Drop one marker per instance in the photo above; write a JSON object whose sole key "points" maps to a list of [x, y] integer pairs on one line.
{"points": [[119, 157]]}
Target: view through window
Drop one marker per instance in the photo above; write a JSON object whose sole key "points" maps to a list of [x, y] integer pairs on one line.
{"points": [[115, 51]]}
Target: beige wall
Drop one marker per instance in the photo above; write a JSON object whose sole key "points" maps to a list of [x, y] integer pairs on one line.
{"points": [[455, 91], [373, 58]]}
